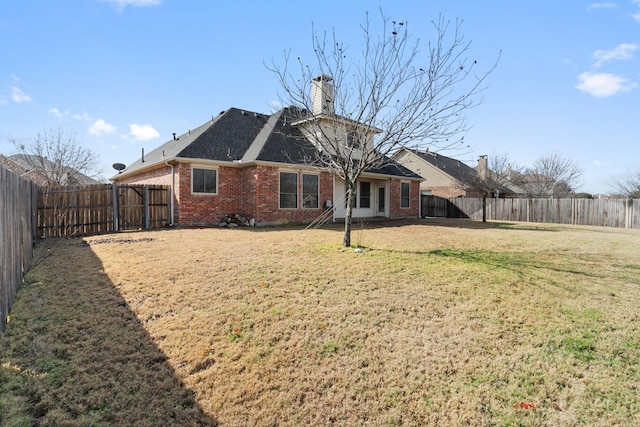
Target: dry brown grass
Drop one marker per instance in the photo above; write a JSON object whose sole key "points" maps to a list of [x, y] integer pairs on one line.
{"points": [[435, 323]]}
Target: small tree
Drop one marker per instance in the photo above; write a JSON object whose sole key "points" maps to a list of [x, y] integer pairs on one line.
{"points": [[629, 186], [391, 96], [58, 157], [551, 176]]}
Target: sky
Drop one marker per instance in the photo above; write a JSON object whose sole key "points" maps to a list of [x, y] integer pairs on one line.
{"points": [[123, 75]]}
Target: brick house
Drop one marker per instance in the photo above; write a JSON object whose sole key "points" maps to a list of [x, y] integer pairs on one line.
{"points": [[262, 167]]}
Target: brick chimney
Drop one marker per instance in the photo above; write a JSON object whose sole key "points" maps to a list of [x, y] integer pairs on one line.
{"points": [[322, 95]]}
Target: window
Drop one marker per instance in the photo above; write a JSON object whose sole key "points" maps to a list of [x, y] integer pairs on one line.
{"points": [[353, 139], [288, 190], [310, 191], [204, 181], [404, 195], [365, 194]]}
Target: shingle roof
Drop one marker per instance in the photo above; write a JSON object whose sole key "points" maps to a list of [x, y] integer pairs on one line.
{"points": [[245, 136], [454, 168]]}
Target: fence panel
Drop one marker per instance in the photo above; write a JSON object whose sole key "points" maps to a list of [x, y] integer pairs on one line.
{"points": [[103, 208], [597, 212], [75, 210], [18, 201]]}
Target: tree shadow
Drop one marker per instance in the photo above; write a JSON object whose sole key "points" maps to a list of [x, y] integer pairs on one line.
{"points": [[75, 353]]}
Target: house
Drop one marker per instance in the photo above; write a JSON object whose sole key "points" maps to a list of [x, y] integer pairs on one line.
{"points": [[447, 177], [263, 166], [43, 171], [443, 176]]}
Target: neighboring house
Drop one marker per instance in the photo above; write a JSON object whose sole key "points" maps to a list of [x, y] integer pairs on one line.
{"points": [[447, 177], [443, 176], [23, 166], [262, 167]]}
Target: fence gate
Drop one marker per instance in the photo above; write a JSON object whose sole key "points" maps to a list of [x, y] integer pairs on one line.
{"points": [[434, 207], [131, 208], [140, 207]]}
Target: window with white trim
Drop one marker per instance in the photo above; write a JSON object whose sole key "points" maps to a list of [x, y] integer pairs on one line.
{"points": [[204, 180], [404, 194]]}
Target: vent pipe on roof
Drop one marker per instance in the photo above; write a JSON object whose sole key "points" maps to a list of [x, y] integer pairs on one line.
{"points": [[143, 155], [174, 136]]}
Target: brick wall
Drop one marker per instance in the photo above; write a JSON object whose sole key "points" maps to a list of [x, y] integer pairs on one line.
{"points": [[448, 192], [253, 192], [262, 185], [395, 211], [250, 191]]}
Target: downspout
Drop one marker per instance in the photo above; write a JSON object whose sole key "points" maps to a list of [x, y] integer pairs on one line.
{"points": [[173, 181]]}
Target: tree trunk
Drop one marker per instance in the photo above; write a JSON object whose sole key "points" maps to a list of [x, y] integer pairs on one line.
{"points": [[346, 241], [484, 207]]}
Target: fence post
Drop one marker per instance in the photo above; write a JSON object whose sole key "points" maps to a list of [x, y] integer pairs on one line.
{"points": [[114, 193], [145, 204]]}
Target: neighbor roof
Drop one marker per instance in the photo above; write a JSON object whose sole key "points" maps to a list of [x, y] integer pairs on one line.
{"points": [[23, 165], [242, 136], [454, 168]]}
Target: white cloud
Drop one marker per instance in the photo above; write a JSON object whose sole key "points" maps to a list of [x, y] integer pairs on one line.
{"points": [[602, 85], [607, 5], [101, 127], [59, 114], [121, 4], [622, 51], [18, 96], [143, 132], [83, 116]]}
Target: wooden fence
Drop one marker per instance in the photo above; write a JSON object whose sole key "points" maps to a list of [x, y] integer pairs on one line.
{"points": [[18, 201], [103, 208], [597, 212]]}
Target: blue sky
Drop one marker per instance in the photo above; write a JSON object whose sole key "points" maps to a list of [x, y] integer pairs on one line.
{"points": [[124, 74]]}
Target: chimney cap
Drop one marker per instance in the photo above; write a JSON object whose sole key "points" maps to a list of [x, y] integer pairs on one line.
{"points": [[322, 77]]}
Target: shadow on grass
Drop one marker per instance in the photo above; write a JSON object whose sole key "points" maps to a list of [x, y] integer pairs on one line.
{"points": [[75, 354]]}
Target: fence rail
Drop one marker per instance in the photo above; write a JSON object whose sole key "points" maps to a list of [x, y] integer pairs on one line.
{"points": [[18, 201], [596, 212], [103, 208]]}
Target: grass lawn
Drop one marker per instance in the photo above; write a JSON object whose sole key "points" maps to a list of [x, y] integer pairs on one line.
{"points": [[434, 322]]}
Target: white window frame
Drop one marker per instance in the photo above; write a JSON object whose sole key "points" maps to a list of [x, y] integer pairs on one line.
{"points": [[202, 193]]}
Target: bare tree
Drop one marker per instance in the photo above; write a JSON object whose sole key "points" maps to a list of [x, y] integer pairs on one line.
{"points": [[629, 186], [551, 176], [58, 158], [392, 95], [492, 176]]}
